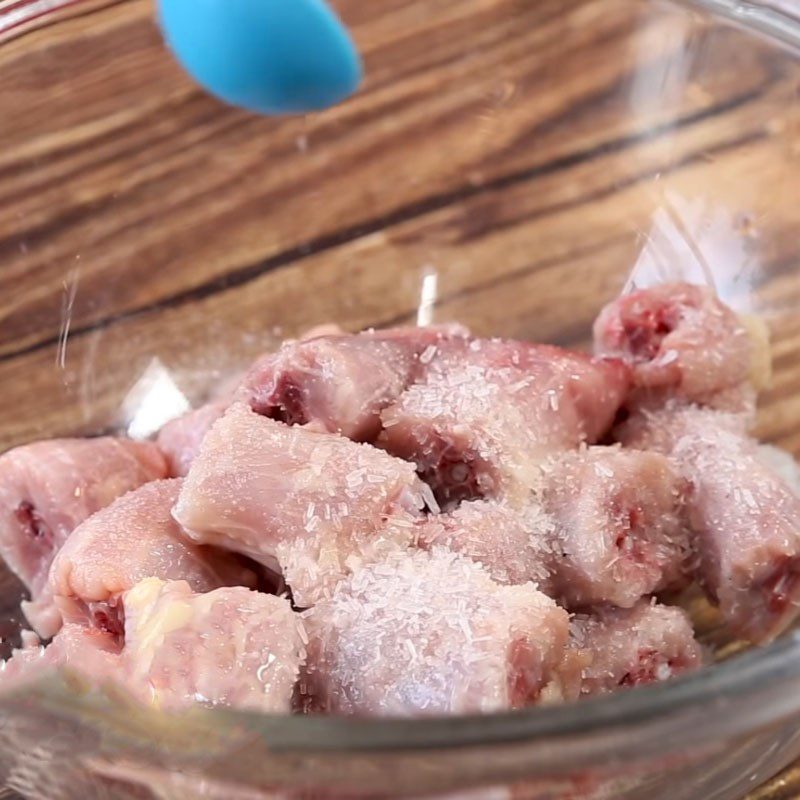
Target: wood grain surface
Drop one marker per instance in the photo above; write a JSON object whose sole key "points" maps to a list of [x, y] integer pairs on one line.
{"points": [[144, 219], [521, 158]]}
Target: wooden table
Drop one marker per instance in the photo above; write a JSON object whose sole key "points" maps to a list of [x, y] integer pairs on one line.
{"points": [[785, 786], [513, 159]]}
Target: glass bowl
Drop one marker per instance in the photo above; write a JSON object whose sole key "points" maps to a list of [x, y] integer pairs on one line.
{"points": [[510, 164]]}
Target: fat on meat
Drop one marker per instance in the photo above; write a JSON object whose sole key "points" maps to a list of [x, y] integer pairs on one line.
{"points": [[229, 647]]}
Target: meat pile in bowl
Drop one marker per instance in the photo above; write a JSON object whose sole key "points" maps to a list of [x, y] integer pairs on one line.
{"points": [[418, 521]]}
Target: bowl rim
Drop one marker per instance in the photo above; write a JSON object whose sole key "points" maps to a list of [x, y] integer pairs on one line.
{"points": [[753, 690], [778, 23], [713, 691]]}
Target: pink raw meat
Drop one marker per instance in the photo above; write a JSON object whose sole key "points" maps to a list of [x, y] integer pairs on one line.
{"points": [[180, 439], [48, 488], [631, 647], [430, 633], [514, 546], [745, 519], [620, 525], [326, 378], [605, 526], [339, 384], [230, 647], [87, 653], [309, 505], [682, 340], [132, 539], [487, 412]]}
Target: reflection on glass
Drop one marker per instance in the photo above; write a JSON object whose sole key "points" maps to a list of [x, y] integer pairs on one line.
{"points": [[152, 401], [427, 297], [701, 242]]}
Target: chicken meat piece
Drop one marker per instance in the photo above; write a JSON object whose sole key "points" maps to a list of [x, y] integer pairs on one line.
{"points": [[229, 647], [631, 647], [683, 341], [326, 378], [311, 506], [47, 489], [744, 518], [132, 539], [515, 547], [606, 525], [340, 384], [430, 633], [486, 413], [620, 526], [180, 439], [659, 428], [88, 654]]}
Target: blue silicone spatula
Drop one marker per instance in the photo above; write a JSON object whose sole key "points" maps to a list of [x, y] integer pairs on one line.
{"points": [[268, 56]]}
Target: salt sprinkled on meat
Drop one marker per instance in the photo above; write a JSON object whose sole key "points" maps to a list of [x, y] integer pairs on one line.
{"points": [[427, 354], [437, 566], [514, 548], [745, 519], [286, 496], [482, 418], [430, 499], [682, 341], [430, 633], [341, 383], [232, 647], [602, 526], [624, 648]]}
